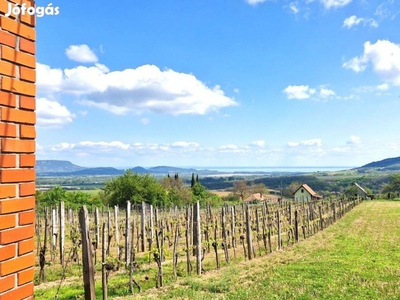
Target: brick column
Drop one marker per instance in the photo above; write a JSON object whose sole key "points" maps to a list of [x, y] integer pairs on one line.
{"points": [[17, 152]]}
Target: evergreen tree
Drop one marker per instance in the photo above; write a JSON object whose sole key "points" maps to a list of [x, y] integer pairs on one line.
{"points": [[193, 182]]}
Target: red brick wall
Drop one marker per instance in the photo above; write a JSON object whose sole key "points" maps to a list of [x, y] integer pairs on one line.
{"points": [[17, 152]]}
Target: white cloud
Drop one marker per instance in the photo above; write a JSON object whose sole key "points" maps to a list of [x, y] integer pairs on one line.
{"points": [[384, 56], [48, 80], [254, 2], [181, 144], [81, 53], [299, 92], [306, 143], [354, 140], [294, 7], [335, 3], [52, 114], [378, 88], [326, 93], [354, 21], [146, 88], [259, 143]]}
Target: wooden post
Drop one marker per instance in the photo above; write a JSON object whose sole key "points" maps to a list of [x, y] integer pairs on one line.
{"points": [[188, 263], [233, 230], [116, 228], [88, 270], [103, 263], [143, 224], [127, 233], [279, 229], [321, 221], [296, 226], [62, 231], [248, 233], [198, 239]]}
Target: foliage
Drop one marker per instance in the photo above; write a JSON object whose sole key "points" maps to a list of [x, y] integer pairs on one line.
{"points": [[136, 188], [291, 188], [74, 200], [241, 189], [177, 191], [393, 186]]}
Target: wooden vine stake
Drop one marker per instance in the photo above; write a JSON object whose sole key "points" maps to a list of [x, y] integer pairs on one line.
{"points": [[103, 263], [198, 238], [88, 270], [127, 233], [248, 234], [62, 232]]}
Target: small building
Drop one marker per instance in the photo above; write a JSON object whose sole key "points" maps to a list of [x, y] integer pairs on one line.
{"points": [[257, 197], [305, 193], [361, 193]]}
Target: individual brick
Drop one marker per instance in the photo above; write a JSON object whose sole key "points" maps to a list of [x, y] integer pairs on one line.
{"points": [[26, 246], [8, 130], [7, 221], [27, 189], [7, 283], [26, 102], [27, 131], [17, 175], [7, 69], [26, 218], [17, 205], [17, 86], [7, 191], [27, 46], [7, 252], [27, 160], [18, 116], [7, 99], [7, 38], [27, 74], [21, 292], [26, 276], [18, 146], [15, 235]]}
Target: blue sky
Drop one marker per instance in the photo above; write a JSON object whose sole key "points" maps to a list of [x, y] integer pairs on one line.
{"points": [[219, 83]]}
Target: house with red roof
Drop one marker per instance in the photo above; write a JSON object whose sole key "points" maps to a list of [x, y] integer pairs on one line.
{"points": [[305, 193]]}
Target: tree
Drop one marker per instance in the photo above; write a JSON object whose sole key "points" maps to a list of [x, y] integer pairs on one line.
{"points": [[291, 188], [259, 188], [240, 189], [136, 188], [193, 181], [51, 197], [177, 191], [393, 186]]}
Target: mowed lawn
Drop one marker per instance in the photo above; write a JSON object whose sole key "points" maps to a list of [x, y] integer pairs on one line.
{"points": [[356, 258]]}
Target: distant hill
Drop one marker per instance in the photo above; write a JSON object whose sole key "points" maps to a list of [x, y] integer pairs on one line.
{"points": [[388, 165], [66, 168], [58, 166]]}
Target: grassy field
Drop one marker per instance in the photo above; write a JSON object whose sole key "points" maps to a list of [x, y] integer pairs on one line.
{"points": [[356, 258]]}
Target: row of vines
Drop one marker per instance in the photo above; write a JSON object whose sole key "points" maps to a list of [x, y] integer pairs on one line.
{"points": [[151, 245]]}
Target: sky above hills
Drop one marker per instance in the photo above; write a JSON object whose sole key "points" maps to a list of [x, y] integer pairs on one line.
{"points": [[219, 83]]}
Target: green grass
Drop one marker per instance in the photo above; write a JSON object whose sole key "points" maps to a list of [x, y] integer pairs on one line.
{"points": [[358, 257]]}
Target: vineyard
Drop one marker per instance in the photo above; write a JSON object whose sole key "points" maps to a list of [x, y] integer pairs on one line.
{"points": [[105, 253]]}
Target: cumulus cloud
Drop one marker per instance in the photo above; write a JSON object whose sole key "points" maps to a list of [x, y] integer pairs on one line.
{"points": [[354, 21], [259, 143], [383, 56], [52, 114], [81, 53], [299, 92], [328, 4], [307, 143], [354, 140], [146, 88], [254, 2]]}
